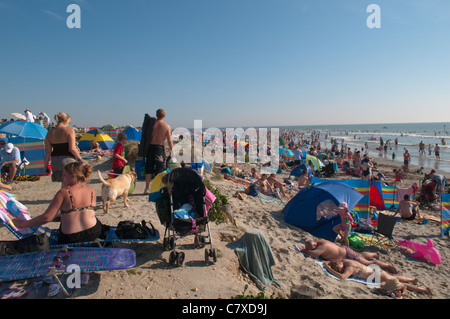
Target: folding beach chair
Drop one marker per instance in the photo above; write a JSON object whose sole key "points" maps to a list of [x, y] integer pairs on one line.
{"points": [[56, 262], [383, 235]]}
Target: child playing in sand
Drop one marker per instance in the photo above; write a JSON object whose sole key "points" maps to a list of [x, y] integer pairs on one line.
{"points": [[344, 228], [119, 160], [303, 181]]}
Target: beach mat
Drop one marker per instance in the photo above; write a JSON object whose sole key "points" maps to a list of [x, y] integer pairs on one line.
{"points": [[40, 264]]}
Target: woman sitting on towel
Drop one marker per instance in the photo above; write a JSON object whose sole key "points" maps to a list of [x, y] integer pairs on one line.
{"points": [[76, 202]]}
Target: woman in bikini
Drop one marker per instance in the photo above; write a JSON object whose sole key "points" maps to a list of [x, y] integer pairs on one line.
{"points": [[75, 202], [351, 268]]}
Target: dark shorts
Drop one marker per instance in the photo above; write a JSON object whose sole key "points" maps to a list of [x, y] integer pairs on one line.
{"points": [[87, 235], [118, 170], [58, 163], [413, 216], [155, 159]]}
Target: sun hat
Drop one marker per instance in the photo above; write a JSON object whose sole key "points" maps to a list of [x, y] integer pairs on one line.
{"points": [[9, 147], [343, 205]]}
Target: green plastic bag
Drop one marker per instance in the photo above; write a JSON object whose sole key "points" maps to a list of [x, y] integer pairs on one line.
{"points": [[356, 241]]}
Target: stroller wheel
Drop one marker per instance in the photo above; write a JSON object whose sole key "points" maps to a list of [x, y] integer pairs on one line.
{"points": [[172, 257], [176, 258], [196, 242], [168, 243], [206, 255], [199, 242], [180, 259], [214, 254]]}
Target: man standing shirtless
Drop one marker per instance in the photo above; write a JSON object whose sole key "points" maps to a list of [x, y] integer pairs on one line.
{"points": [[155, 159]]}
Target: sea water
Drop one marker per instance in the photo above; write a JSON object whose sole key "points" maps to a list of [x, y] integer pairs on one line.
{"points": [[409, 136]]}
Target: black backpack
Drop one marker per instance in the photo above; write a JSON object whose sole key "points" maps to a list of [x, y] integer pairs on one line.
{"points": [[129, 230]]}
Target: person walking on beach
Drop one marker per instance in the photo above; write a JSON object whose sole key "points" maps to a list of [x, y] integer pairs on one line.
{"points": [[155, 157], [406, 158], [437, 149]]}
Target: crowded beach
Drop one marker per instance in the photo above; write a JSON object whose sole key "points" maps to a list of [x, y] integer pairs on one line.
{"points": [[78, 190]]}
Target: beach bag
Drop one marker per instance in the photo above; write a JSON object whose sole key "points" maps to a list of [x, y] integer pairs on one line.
{"points": [[252, 190], [129, 230], [364, 229], [30, 244]]}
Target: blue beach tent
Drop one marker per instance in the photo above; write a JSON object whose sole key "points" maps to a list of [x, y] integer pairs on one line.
{"points": [[133, 134], [311, 209]]}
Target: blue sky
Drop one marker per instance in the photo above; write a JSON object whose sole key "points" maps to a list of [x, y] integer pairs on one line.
{"points": [[227, 62]]}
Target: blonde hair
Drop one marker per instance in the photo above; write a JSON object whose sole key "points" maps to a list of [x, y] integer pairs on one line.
{"points": [[62, 117], [82, 172]]}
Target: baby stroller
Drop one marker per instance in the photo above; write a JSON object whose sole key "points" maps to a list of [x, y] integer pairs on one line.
{"points": [[428, 193], [184, 188], [327, 170]]}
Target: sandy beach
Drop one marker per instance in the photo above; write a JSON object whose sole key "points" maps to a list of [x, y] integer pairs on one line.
{"points": [[300, 277]]}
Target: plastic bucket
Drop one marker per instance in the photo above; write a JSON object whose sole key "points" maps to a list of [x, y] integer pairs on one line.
{"points": [[140, 170]]}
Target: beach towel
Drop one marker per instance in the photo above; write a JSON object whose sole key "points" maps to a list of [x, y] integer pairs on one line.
{"points": [[256, 257], [401, 192], [271, 199]]}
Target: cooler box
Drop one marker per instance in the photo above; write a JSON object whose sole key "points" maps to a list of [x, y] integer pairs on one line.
{"points": [[140, 170]]}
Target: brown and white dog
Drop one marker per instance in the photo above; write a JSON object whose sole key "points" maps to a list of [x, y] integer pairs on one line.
{"points": [[116, 187]]}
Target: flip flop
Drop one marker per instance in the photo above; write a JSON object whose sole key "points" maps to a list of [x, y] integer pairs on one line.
{"points": [[14, 293], [53, 290]]}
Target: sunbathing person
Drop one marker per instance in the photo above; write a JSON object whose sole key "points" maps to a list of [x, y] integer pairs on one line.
{"points": [[265, 188], [303, 181], [76, 203], [332, 252], [351, 268], [254, 174], [276, 184], [408, 208]]}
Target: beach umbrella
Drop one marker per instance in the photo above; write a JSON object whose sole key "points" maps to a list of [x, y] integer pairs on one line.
{"points": [[20, 116], [286, 152], [103, 140], [24, 129]]}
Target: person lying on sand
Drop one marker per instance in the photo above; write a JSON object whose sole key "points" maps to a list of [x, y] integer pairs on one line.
{"points": [[351, 268], [266, 188], [333, 252], [276, 184]]}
